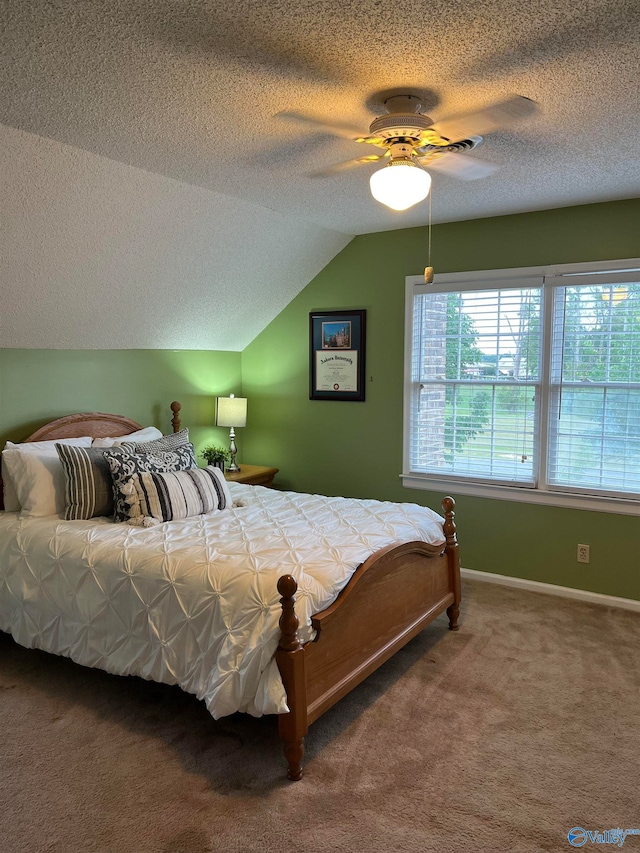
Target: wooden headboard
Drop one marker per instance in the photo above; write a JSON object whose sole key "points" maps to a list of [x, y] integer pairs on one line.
{"points": [[95, 424]]}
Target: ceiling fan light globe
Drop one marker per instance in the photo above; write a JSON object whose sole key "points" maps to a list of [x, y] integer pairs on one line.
{"points": [[400, 186]]}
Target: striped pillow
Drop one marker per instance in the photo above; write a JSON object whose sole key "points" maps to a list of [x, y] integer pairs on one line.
{"points": [[155, 497], [167, 442], [88, 484], [125, 465]]}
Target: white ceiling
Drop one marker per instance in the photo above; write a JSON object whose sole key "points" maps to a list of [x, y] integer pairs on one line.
{"points": [[190, 89], [95, 254]]}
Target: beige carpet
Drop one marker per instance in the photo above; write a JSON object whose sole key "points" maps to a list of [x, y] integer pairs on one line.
{"points": [[500, 737]]}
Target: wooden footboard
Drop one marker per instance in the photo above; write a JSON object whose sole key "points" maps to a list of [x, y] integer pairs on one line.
{"points": [[391, 597]]}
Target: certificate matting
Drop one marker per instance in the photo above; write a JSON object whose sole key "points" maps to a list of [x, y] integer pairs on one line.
{"points": [[336, 363]]}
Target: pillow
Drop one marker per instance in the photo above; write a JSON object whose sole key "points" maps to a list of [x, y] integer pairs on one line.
{"points": [[124, 465], [46, 478], [165, 442], [9, 496], [154, 497], [146, 434], [88, 485]]}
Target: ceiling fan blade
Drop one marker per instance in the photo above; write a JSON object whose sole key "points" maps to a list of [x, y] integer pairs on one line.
{"points": [[493, 117], [460, 166], [344, 166], [345, 131]]}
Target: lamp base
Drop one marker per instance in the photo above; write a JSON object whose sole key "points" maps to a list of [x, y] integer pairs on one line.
{"points": [[233, 468]]}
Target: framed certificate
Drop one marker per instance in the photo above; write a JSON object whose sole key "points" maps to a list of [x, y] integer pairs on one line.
{"points": [[336, 362]]}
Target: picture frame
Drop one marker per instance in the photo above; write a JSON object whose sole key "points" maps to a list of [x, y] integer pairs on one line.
{"points": [[337, 355]]}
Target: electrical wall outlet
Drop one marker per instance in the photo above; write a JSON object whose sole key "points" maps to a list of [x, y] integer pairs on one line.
{"points": [[583, 554]]}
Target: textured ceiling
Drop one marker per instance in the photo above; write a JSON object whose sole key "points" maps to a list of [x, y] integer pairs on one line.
{"points": [[190, 89], [95, 254]]}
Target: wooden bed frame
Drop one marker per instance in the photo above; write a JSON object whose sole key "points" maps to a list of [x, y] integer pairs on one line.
{"points": [[390, 598]]}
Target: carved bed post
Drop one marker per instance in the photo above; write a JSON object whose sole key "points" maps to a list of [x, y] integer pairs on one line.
{"points": [[175, 420], [290, 659], [453, 554]]}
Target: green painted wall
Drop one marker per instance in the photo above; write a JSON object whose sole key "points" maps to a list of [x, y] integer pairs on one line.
{"points": [[356, 448], [39, 385]]}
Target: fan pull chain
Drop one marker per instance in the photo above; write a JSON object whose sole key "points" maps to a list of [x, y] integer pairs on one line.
{"points": [[428, 271]]}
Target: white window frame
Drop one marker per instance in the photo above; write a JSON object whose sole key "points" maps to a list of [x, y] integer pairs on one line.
{"points": [[552, 276]]}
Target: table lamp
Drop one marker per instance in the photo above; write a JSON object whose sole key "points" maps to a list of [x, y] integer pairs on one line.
{"points": [[231, 412]]}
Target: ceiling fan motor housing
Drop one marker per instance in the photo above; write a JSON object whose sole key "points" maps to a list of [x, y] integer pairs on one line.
{"points": [[400, 150], [398, 126]]}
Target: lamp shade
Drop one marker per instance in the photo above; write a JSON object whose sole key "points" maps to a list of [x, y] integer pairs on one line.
{"points": [[231, 411], [400, 185]]}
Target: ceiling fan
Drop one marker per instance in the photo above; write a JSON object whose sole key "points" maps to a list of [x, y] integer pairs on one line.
{"points": [[412, 140]]}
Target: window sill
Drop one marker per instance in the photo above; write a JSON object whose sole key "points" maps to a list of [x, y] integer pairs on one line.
{"points": [[449, 485]]}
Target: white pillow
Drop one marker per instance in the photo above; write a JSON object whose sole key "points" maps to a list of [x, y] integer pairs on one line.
{"points": [[146, 434], [9, 496], [13, 470]]}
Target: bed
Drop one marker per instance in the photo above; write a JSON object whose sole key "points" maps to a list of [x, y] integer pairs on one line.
{"points": [[148, 601]]}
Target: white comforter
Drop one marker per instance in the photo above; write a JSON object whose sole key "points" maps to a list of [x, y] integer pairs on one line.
{"points": [[192, 602]]}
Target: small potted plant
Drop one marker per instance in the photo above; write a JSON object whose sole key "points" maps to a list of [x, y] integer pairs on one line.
{"points": [[216, 456]]}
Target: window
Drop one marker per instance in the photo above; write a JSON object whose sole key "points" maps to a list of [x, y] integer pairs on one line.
{"points": [[526, 383]]}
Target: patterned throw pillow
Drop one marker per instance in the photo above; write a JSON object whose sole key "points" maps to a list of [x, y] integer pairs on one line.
{"points": [[167, 442], [88, 484], [156, 497], [124, 465]]}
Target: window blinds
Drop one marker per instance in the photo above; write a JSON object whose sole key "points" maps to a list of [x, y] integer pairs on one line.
{"points": [[594, 411], [475, 375]]}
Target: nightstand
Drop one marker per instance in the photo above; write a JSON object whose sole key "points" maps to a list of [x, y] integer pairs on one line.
{"points": [[253, 475]]}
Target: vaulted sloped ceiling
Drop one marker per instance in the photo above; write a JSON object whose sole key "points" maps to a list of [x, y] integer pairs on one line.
{"points": [[100, 255], [155, 198]]}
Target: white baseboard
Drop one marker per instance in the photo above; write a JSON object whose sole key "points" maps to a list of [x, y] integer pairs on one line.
{"points": [[552, 589]]}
